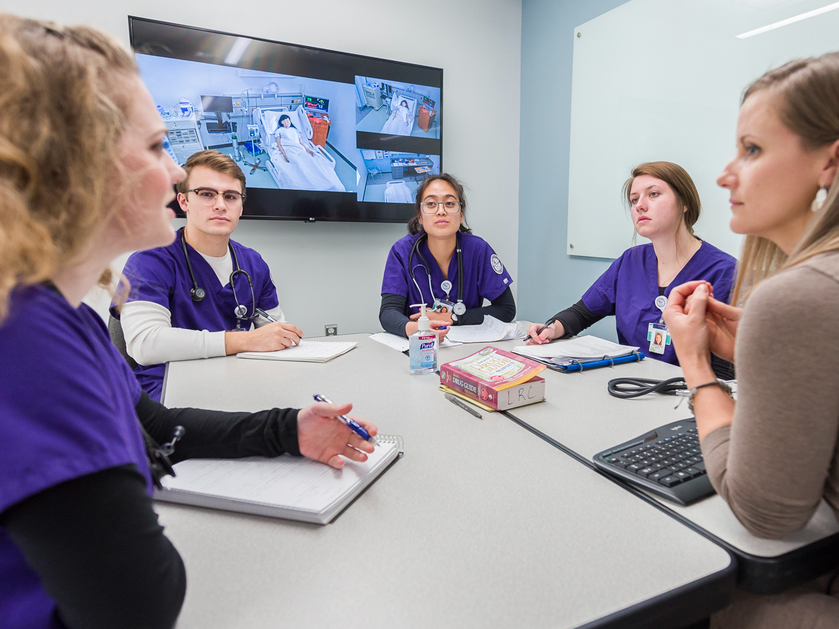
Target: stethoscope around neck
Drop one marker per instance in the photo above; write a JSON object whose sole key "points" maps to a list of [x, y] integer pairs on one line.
{"points": [[197, 293], [459, 308]]}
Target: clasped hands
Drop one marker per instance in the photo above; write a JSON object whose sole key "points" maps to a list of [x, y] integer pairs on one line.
{"points": [[699, 323]]}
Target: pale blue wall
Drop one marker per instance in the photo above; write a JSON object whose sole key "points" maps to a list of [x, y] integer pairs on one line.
{"points": [[548, 278]]}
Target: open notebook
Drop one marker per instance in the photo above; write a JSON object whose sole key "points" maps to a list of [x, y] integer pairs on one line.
{"points": [[286, 487], [307, 352]]}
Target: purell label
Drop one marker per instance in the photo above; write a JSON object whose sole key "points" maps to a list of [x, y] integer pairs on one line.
{"points": [[425, 346]]}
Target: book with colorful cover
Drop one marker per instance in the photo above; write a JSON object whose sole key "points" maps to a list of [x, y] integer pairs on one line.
{"points": [[496, 378]]}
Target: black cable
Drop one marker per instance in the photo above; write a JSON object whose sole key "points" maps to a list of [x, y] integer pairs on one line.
{"points": [[627, 388]]}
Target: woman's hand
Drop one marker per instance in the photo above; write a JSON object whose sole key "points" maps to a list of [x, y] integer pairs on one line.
{"points": [[323, 437], [686, 321], [440, 327], [547, 335], [722, 321], [443, 317]]}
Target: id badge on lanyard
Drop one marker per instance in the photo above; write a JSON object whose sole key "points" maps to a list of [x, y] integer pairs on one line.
{"points": [[657, 333]]}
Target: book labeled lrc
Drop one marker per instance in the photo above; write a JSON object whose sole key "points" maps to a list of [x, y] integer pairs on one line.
{"points": [[499, 379]]}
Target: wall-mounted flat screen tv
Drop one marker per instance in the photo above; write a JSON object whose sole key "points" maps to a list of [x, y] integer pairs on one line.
{"points": [[319, 134]]}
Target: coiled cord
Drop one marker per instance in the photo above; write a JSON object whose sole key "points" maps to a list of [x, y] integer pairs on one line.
{"points": [[627, 388]]}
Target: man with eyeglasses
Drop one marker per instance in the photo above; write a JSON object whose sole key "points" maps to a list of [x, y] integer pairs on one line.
{"points": [[204, 295]]}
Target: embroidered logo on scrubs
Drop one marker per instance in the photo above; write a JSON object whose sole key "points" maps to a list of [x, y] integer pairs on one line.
{"points": [[497, 266]]}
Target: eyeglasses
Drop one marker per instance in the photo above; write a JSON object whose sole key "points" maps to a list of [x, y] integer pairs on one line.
{"points": [[451, 207], [208, 196]]}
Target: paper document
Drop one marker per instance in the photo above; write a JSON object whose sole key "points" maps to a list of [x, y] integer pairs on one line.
{"points": [[579, 348], [489, 331], [307, 351], [284, 487], [401, 344]]}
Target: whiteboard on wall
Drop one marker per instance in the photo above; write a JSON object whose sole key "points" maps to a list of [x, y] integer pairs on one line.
{"points": [[662, 80]]}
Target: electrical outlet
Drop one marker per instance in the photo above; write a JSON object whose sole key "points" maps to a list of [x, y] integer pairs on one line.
{"points": [[331, 329]]}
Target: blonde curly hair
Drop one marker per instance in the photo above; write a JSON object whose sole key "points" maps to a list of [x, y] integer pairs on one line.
{"points": [[62, 112]]}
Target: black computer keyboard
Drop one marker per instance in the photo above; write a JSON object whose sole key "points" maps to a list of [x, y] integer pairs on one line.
{"points": [[666, 461]]}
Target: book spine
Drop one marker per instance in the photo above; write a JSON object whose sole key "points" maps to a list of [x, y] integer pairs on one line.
{"points": [[467, 384]]}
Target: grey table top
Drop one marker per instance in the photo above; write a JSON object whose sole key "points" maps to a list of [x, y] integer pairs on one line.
{"points": [[579, 413], [480, 524]]}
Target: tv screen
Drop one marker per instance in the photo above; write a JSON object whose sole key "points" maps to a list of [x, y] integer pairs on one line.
{"points": [[320, 135]]}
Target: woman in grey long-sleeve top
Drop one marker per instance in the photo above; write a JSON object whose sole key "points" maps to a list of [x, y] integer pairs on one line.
{"points": [[774, 455]]}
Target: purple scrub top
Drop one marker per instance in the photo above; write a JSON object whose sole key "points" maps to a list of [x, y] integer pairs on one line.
{"points": [[66, 410], [161, 276], [485, 275], [629, 287]]}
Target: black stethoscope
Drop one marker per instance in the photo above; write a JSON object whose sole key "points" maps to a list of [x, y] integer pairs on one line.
{"points": [[197, 293], [459, 308]]}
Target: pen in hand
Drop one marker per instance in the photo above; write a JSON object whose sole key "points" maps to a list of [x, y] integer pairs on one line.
{"points": [[264, 315], [463, 405], [539, 331], [349, 421]]}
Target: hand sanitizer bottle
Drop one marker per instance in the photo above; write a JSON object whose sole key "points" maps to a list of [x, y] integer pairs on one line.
{"points": [[423, 346]]}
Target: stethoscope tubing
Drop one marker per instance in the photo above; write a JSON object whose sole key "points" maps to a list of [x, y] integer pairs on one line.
{"points": [[197, 293], [424, 265]]}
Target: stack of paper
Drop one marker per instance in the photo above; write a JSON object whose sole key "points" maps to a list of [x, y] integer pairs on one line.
{"points": [[490, 331], [579, 349], [307, 351]]}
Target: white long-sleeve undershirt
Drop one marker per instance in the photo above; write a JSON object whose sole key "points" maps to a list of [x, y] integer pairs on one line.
{"points": [[150, 338]]}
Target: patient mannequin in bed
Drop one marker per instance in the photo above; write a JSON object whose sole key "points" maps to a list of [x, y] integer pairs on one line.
{"points": [[287, 134], [306, 168], [399, 121]]}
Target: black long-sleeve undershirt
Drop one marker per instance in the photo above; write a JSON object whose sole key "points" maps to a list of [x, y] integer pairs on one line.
{"points": [[577, 318], [393, 318], [95, 541]]}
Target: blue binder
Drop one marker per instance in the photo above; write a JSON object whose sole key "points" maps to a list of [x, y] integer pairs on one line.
{"points": [[606, 361]]}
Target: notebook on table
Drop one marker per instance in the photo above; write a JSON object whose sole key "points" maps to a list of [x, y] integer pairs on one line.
{"points": [[288, 487], [307, 352]]}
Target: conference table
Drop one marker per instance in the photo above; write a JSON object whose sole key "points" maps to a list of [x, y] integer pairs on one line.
{"points": [[481, 523], [585, 425]]}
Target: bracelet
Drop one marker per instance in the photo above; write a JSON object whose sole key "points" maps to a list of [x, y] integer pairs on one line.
{"points": [[714, 383]]}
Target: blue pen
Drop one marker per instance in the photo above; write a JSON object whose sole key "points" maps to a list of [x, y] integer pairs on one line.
{"points": [[349, 421]]}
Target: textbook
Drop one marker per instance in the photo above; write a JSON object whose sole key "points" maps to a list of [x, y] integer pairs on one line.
{"points": [[495, 378], [307, 352], [288, 487]]}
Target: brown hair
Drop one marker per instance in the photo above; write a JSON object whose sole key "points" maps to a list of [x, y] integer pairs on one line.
{"points": [[805, 95], [62, 112], [680, 183], [214, 160], [414, 226]]}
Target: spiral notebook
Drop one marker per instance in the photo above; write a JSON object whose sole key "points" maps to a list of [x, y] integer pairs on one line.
{"points": [[287, 487], [307, 352]]}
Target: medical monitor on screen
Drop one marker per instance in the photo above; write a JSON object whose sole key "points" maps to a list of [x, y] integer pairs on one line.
{"points": [[320, 135], [217, 104]]}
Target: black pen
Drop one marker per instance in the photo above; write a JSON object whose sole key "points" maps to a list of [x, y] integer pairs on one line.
{"points": [[463, 405], [539, 331], [264, 315]]}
